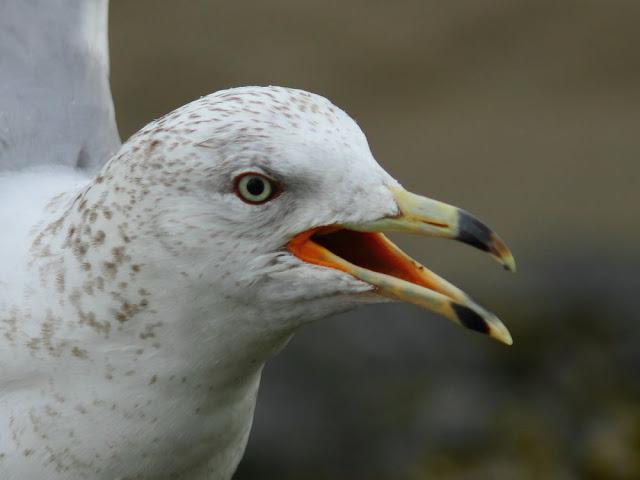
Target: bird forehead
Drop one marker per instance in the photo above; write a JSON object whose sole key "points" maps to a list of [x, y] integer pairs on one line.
{"points": [[254, 115]]}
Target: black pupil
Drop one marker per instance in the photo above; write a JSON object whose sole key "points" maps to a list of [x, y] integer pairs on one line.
{"points": [[255, 186]]}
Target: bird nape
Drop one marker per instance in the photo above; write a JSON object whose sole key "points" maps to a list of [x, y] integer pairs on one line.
{"points": [[140, 303]]}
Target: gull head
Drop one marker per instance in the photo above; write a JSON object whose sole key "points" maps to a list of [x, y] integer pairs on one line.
{"points": [[270, 205]]}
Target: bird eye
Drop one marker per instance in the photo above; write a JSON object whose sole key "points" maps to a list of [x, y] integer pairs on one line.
{"points": [[255, 188]]}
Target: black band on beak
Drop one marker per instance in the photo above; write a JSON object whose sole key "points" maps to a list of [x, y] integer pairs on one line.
{"points": [[473, 232]]}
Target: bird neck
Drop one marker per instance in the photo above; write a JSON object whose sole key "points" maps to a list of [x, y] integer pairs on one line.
{"points": [[146, 326]]}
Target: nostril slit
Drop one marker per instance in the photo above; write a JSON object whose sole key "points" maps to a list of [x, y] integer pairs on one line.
{"points": [[435, 224]]}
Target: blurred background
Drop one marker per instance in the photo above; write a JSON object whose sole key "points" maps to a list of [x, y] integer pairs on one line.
{"points": [[525, 112]]}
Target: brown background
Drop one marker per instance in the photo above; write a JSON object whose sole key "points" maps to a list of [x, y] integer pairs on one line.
{"points": [[525, 112]]}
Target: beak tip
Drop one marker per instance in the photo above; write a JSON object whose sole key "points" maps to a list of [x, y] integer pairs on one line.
{"points": [[501, 252], [500, 332], [509, 263], [475, 233], [504, 338]]}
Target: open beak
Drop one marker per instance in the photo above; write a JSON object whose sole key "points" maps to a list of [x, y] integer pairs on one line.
{"points": [[364, 252]]}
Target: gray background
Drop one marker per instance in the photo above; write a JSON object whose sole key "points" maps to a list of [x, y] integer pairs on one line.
{"points": [[525, 112]]}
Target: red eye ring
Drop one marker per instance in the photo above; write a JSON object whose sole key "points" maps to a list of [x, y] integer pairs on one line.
{"points": [[255, 188]]}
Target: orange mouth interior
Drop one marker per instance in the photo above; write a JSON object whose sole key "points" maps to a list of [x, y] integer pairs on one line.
{"points": [[368, 250]]}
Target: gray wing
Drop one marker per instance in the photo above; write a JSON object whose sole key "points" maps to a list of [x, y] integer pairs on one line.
{"points": [[55, 100]]}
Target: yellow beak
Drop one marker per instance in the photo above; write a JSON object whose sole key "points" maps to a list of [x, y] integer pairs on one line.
{"points": [[364, 252]]}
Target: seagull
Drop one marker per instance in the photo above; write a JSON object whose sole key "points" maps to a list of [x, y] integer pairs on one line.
{"points": [[144, 285]]}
